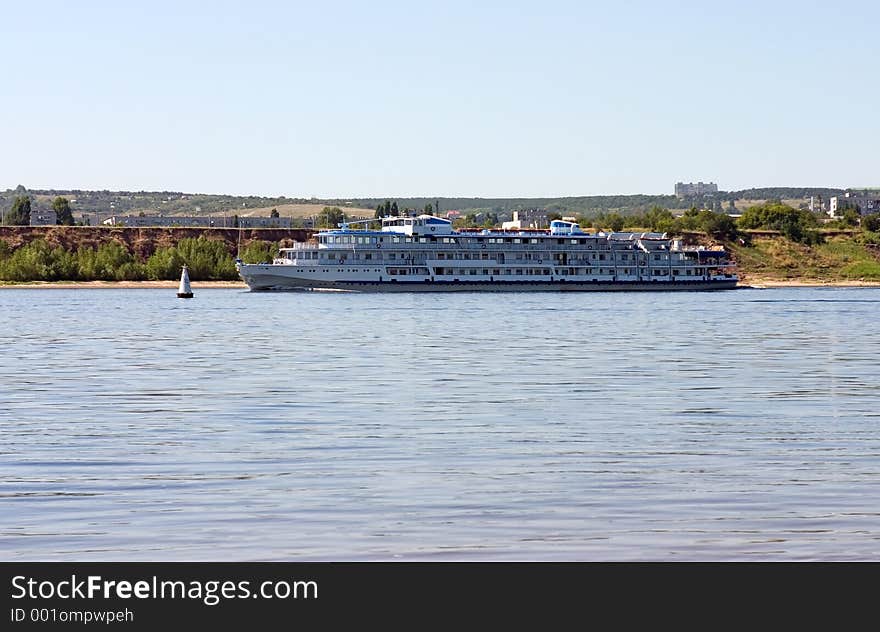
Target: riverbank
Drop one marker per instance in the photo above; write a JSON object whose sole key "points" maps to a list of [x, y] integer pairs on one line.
{"points": [[767, 282], [779, 262]]}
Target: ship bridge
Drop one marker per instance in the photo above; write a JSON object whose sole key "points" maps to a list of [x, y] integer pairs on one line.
{"points": [[421, 225], [562, 227]]}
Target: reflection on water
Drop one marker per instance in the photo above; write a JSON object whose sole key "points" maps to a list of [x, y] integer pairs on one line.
{"points": [[239, 426]]}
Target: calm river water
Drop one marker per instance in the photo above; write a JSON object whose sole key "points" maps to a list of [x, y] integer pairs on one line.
{"points": [[331, 426]]}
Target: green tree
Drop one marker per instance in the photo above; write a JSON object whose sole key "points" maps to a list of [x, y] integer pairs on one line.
{"points": [[61, 206], [112, 261], [330, 217], [208, 259], [38, 261], [774, 215], [164, 264], [659, 219], [871, 222], [614, 221], [20, 213], [259, 252], [851, 217], [719, 225], [796, 224]]}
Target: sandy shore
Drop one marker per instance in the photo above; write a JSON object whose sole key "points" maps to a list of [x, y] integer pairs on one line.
{"points": [[768, 283]]}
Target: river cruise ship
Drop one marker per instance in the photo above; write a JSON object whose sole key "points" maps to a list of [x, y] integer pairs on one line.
{"points": [[425, 253]]}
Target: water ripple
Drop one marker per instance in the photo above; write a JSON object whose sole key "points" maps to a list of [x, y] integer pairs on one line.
{"points": [[316, 426]]}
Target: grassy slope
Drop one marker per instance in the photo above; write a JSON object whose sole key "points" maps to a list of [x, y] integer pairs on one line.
{"points": [[198, 205], [840, 258]]}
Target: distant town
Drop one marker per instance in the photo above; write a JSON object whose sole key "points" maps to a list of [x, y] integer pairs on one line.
{"points": [[171, 209], [817, 234]]}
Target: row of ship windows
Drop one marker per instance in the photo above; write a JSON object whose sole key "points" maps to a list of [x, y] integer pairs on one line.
{"points": [[466, 256], [365, 241], [515, 271], [496, 272], [560, 271]]}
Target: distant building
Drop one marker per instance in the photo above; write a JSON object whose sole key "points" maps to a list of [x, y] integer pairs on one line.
{"points": [[196, 222], [687, 189], [44, 218], [836, 206], [263, 222], [532, 218], [866, 203]]}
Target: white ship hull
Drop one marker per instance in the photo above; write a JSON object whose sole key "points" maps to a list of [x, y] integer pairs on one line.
{"points": [[265, 277]]}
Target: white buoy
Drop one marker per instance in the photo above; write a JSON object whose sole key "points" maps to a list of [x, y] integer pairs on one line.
{"points": [[184, 290]]}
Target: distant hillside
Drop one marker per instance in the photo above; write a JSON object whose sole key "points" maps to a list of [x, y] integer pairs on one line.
{"points": [[586, 205], [781, 193], [106, 203], [591, 205], [101, 204]]}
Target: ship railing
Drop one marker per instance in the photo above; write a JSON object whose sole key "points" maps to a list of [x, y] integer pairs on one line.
{"points": [[487, 247], [428, 248]]}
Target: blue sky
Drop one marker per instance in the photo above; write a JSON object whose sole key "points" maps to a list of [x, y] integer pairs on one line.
{"points": [[346, 99]]}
